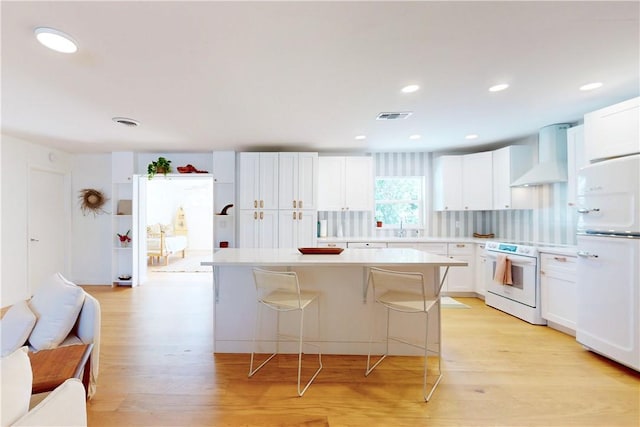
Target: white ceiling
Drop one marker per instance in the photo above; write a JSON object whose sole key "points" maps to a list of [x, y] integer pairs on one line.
{"points": [[204, 76]]}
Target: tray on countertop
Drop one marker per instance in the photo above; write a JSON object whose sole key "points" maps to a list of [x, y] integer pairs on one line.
{"points": [[321, 251]]}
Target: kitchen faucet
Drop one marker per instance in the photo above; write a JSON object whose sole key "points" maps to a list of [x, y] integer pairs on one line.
{"points": [[402, 231]]}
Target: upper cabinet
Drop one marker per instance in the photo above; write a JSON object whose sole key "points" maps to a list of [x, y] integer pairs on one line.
{"points": [[613, 131], [463, 182], [298, 188], [345, 183], [575, 160], [224, 167], [510, 163], [258, 183]]}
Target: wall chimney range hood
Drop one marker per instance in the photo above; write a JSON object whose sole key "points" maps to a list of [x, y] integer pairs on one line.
{"points": [[552, 158]]}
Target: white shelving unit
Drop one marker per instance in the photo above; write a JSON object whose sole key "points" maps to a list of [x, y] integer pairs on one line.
{"points": [[224, 173], [122, 258]]}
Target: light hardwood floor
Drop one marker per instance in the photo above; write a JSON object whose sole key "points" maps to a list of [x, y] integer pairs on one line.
{"points": [[157, 368]]}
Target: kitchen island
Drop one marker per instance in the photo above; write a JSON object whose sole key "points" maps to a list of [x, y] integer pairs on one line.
{"points": [[341, 325]]}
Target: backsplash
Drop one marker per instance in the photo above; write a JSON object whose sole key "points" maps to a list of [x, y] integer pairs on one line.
{"points": [[551, 222]]}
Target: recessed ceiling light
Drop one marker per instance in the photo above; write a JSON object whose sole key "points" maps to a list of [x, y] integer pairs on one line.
{"points": [[55, 40], [416, 136], [471, 136], [498, 88], [125, 121], [591, 86], [410, 88], [361, 137]]}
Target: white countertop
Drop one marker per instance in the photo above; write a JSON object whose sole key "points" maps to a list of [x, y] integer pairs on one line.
{"points": [[402, 239], [349, 257]]}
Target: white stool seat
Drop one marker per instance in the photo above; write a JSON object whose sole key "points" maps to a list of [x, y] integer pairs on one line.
{"points": [[280, 291], [405, 301], [289, 300]]}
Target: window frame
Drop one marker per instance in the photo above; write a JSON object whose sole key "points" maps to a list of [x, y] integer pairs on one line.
{"points": [[421, 202]]}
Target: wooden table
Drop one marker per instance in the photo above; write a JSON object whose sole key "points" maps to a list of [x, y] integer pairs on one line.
{"points": [[53, 367]]}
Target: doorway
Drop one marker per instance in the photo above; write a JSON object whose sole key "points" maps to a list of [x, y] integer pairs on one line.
{"points": [[176, 222]]}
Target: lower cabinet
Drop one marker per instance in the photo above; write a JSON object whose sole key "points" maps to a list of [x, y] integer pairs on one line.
{"points": [[558, 290], [461, 279], [297, 229], [481, 260], [258, 229]]}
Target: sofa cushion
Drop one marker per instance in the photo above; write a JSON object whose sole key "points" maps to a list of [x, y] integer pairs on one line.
{"points": [[56, 304], [15, 391], [17, 324]]}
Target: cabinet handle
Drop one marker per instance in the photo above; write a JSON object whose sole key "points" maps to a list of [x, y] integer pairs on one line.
{"points": [[294, 204], [506, 206], [542, 272], [262, 203], [560, 258], [459, 245], [331, 245], [255, 215], [294, 216], [261, 215], [300, 204], [586, 211], [299, 215], [585, 254], [255, 204], [466, 207]]}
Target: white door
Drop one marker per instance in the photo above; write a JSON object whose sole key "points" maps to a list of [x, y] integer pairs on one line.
{"points": [[48, 222], [477, 181], [288, 179], [359, 183], [139, 229], [268, 182], [307, 180], [331, 183]]}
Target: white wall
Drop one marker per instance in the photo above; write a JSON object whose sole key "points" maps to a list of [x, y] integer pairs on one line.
{"points": [[91, 234], [18, 156]]}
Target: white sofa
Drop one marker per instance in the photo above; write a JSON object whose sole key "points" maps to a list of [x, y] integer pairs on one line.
{"points": [[59, 313], [64, 406]]}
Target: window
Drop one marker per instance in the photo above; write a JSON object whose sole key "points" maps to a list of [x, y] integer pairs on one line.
{"points": [[400, 198]]}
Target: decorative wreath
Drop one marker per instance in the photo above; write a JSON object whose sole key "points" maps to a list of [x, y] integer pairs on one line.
{"points": [[92, 201]]}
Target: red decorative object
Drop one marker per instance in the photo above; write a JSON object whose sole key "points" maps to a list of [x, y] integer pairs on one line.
{"points": [[189, 169]]}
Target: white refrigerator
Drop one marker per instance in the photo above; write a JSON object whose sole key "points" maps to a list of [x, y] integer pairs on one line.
{"points": [[609, 259]]}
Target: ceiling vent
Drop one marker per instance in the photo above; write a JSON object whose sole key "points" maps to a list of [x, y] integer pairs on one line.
{"points": [[394, 116], [125, 121]]}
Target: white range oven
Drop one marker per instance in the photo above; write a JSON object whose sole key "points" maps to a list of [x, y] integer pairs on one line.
{"points": [[522, 298]]}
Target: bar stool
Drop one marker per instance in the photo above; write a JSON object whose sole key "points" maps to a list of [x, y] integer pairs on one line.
{"points": [[404, 292], [280, 291]]}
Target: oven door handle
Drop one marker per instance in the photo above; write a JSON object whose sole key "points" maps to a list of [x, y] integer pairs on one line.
{"points": [[515, 260]]}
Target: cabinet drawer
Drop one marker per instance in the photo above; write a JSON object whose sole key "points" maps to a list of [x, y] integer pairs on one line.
{"points": [[331, 245], [460, 248], [366, 245], [433, 248], [558, 263]]}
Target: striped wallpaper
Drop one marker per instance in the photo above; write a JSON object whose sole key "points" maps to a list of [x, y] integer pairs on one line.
{"points": [[550, 222]]}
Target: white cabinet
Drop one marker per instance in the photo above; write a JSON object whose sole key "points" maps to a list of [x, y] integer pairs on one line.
{"points": [[558, 290], [613, 131], [258, 178], [461, 279], [122, 258], [463, 182], [447, 183], [575, 160], [345, 183], [297, 229], [258, 229], [258, 187], [509, 164], [477, 181], [481, 261], [298, 181]]}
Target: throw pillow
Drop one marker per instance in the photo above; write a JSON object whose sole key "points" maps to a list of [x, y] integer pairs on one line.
{"points": [[15, 391], [16, 325], [56, 304]]}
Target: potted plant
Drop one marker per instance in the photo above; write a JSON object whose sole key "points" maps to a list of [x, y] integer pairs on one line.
{"points": [[124, 239], [162, 165]]}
